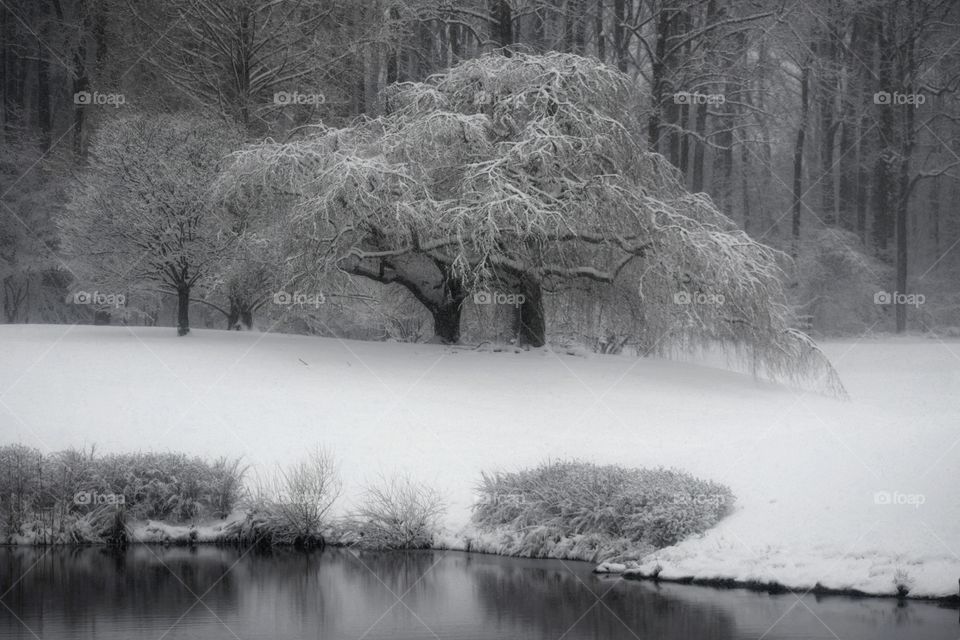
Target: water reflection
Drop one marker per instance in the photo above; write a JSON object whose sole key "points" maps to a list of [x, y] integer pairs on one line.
{"points": [[149, 592]]}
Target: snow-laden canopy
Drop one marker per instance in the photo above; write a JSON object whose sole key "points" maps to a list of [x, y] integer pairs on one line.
{"points": [[525, 172]]}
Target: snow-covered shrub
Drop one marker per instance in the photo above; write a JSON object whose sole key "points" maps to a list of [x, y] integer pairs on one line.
{"points": [[77, 496], [398, 513], [167, 486], [292, 504], [836, 283], [903, 581], [655, 507], [226, 486], [20, 486]]}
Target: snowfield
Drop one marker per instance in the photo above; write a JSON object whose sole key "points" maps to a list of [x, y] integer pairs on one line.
{"points": [[844, 494]]}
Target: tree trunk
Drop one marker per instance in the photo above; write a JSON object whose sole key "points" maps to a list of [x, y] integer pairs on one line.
{"points": [[502, 23], [240, 315], [598, 31], [81, 81], [798, 155], [183, 310], [658, 82], [883, 218], [531, 323], [43, 96], [827, 89], [621, 37], [699, 148], [446, 321]]}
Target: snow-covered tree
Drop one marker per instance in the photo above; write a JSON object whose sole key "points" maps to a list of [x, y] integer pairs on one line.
{"points": [[525, 172], [141, 214]]}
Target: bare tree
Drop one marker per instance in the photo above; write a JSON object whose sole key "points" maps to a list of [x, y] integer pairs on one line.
{"points": [[140, 213]]}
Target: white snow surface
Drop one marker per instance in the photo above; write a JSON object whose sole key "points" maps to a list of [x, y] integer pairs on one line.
{"points": [[843, 494]]}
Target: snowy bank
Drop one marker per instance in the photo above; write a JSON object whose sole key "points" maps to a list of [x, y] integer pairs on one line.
{"points": [[845, 494]]}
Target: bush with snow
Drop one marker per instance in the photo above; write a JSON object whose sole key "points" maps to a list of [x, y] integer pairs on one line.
{"points": [[77, 495], [398, 513], [602, 507], [292, 504]]}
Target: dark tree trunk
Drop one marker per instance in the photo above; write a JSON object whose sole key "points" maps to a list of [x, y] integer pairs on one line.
{"points": [[884, 183], [748, 222], [43, 96], [446, 321], [798, 156], [658, 82], [239, 315], [531, 323], [598, 31], [933, 203], [81, 81], [827, 88], [502, 21], [621, 37], [699, 148], [183, 310], [903, 202]]}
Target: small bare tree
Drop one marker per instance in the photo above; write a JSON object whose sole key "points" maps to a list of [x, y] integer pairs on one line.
{"points": [[291, 505], [140, 212], [399, 513]]}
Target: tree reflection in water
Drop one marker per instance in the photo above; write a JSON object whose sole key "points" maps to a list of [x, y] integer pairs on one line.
{"points": [[149, 592]]}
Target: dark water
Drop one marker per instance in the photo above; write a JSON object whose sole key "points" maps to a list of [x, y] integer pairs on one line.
{"points": [[152, 593]]}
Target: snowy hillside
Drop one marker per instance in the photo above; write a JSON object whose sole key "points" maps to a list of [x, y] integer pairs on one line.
{"points": [[840, 493]]}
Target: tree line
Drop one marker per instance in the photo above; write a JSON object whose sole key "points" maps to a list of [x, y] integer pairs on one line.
{"points": [[825, 129]]}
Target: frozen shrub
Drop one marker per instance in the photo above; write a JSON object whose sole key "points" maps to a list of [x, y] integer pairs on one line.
{"points": [[655, 507], [836, 284], [20, 486], [75, 495], [398, 513], [291, 505], [163, 486], [226, 485], [903, 581]]}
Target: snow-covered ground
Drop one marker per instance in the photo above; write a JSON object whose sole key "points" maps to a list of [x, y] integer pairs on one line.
{"points": [[840, 493]]}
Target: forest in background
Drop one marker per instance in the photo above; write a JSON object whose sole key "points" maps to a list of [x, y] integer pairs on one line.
{"points": [[825, 129]]}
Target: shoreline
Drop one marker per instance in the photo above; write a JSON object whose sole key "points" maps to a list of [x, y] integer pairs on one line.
{"points": [[465, 544]]}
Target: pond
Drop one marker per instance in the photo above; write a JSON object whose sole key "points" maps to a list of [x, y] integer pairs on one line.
{"points": [[152, 593]]}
